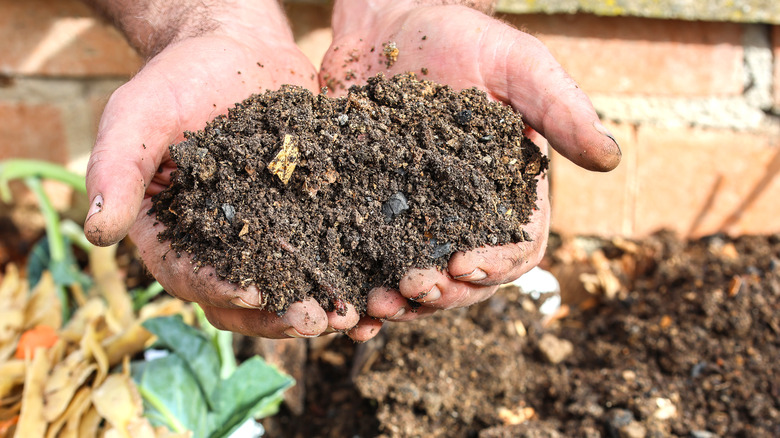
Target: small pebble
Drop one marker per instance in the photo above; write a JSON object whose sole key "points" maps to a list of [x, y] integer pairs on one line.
{"points": [[394, 206], [441, 250], [555, 350], [634, 429], [342, 119], [230, 212], [698, 369], [617, 421], [463, 117]]}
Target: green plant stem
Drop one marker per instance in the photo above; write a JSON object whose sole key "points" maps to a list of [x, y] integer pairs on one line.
{"points": [[52, 219], [22, 169], [142, 296], [227, 356], [223, 342], [53, 236], [75, 233], [153, 401]]}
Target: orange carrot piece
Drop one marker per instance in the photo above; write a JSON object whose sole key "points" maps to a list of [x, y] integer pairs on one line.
{"points": [[38, 336], [5, 425]]}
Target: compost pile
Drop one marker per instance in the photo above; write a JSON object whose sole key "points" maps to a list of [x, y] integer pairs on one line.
{"points": [[669, 338], [311, 196]]}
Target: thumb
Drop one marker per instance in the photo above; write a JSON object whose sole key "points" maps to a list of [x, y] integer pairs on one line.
{"points": [[134, 131], [526, 75]]}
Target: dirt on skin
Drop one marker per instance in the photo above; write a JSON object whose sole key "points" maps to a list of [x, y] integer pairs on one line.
{"points": [[311, 196], [676, 339]]}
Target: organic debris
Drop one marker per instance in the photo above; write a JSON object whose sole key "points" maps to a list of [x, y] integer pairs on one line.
{"points": [[676, 350], [58, 379]]}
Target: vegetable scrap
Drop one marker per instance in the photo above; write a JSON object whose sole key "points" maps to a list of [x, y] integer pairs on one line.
{"points": [[58, 378]]}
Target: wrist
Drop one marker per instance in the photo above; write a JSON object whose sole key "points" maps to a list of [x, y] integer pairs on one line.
{"points": [[152, 25]]}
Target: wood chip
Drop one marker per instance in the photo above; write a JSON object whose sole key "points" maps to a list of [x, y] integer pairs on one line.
{"points": [[285, 160], [735, 285]]}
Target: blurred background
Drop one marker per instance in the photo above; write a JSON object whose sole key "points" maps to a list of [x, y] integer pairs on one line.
{"points": [[691, 90]]}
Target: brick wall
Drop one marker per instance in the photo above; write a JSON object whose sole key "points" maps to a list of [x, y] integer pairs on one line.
{"points": [[695, 108], [694, 105], [58, 64]]}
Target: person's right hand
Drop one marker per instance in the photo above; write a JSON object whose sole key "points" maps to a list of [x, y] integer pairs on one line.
{"points": [[181, 89]]}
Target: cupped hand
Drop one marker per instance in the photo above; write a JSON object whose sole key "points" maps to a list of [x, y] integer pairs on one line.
{"points": [[181, 89], [464, 48]]}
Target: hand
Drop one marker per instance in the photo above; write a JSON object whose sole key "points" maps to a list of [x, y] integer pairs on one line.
{"points": [[180, 89], [464, 48]]}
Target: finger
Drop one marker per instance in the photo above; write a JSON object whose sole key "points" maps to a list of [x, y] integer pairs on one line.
{"points": [[389, 304], [437, 290], [517, 68], [127, 153], [344, 322], [365, 329], [303, 319], [497, 265], [494, 265]]}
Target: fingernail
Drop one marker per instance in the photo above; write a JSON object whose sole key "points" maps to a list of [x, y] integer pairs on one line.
{"points": [[432, 295], [253, 299], [475, 275], [238, 301], [399, 313], [96, 206], [603, 131], [291, 332]]}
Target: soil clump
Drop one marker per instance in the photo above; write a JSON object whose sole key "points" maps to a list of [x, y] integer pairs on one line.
{"points": [[311, 196]]}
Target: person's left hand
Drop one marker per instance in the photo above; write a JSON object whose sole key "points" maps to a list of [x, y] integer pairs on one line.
{"points": [[464, 48]]}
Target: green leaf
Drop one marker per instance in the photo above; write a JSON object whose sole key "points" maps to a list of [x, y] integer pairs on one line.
{"points": [[192, 346], [172, 396], [183, 390], [254, 390]]}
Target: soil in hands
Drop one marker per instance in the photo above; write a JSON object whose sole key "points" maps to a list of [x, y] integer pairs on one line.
{"points": [[311, 196]]}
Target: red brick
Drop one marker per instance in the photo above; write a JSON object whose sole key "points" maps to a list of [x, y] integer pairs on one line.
{"points": [[698, 181], [32, 131], [639, 56], [585, 202], [776, 51], [60, 38]]}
